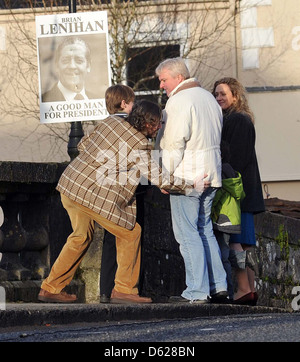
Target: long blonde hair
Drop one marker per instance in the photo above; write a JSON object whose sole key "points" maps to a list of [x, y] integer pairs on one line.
{"points": [[239, 92]]}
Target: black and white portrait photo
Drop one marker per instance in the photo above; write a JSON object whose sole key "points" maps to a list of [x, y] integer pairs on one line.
{"points": [[74, 69]]}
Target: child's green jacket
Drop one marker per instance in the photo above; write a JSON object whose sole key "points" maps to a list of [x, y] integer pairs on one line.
{"points": [[226, 208]]}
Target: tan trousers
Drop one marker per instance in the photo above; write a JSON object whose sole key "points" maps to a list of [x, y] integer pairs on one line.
{"points": [[127, 244]]}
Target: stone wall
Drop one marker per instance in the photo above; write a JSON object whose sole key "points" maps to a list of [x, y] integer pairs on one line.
{"points": [[278, 257], [36, 227], [277, 254], [163, 272], [34, 230]]}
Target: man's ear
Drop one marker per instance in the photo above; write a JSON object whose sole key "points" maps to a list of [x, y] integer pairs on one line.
{"points": [[180, 78], [123, 104]]}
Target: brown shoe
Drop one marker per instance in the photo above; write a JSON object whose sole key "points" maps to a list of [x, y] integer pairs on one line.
{"points": [[122, 298], [61, 297]]}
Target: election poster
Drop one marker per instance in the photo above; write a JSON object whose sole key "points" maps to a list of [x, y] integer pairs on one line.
{"points": [[73, 66]]}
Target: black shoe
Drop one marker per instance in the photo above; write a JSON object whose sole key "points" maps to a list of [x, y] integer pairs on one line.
{"points": [[180, 299], [247, 299], [104, 298], [220, 298]]}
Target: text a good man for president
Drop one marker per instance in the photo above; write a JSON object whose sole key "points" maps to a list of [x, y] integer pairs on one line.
{"points": [[77, 110], [72, 26]]}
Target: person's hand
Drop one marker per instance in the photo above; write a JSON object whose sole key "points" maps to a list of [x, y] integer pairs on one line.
{"points": [[200, 184], [207, 184], [164, 192]]}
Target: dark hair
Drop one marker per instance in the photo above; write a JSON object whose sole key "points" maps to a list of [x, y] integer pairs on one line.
{"points": [[114, 96], [144, 112]]}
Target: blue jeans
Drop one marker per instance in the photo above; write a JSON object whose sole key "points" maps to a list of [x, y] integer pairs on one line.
{"points": [[223, 241], [192, 226]]}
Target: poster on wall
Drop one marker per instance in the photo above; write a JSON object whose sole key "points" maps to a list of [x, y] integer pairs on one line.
{"points": [[73, 66]]}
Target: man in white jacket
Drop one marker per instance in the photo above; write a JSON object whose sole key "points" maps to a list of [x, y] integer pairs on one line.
{"points": [[189, 145]]}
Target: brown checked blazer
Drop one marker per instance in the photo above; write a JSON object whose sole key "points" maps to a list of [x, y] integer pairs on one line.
{"points": [[108, 169]]}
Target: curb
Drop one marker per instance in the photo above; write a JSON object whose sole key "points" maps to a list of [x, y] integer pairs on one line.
{"points": [[37, 314]]}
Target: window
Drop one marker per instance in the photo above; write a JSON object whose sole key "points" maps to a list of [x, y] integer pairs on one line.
{"points": [[141, 65]]}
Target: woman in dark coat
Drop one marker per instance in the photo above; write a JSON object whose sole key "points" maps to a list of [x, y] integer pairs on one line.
{"points": [[239, 133]]}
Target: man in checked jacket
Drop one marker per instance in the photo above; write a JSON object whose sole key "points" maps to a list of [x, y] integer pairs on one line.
{"points": [[99, 186]]}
